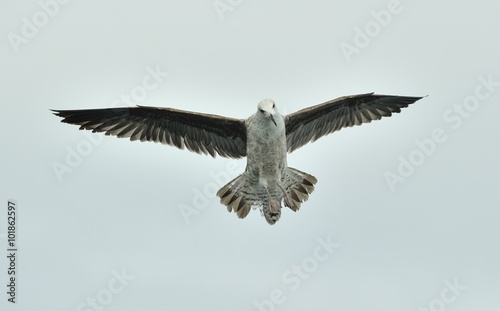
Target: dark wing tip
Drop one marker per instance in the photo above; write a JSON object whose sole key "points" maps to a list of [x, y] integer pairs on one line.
{"points": [[62, 113], [402, 101], [56, 112], [408, 98], [65, 114]]}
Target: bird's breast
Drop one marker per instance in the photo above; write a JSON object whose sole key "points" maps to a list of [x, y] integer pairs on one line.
{"points": [[266, 150]]}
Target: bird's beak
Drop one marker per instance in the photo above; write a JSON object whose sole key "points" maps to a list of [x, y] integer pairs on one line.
{"points": [[272, 119]]}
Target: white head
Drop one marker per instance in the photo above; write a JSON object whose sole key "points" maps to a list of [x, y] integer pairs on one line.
{"points": [[268, 109]]}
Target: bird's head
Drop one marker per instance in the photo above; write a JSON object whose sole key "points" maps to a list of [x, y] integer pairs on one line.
{"points": [[268, 109]]}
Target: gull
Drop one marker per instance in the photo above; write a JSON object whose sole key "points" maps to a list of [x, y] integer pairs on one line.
{"points": [[265, 138]]}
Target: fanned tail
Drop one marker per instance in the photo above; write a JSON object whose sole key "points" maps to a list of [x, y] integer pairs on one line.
{"points": [[239, 195]]}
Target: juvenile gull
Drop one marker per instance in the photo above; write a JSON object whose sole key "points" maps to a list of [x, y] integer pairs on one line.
{"points": [[264, 138]]}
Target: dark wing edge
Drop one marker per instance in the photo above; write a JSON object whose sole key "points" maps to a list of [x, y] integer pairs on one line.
{"points": [[309, 124], [198, 132]]}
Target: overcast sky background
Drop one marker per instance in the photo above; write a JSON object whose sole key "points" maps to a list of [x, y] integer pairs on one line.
{"points": [[118, 207]]}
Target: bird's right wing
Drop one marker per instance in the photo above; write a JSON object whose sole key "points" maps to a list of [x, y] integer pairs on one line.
{"points": [[314, 122], [198, 132]]}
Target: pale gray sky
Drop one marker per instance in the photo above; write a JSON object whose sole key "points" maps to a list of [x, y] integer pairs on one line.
{"points": [[405, 213]]}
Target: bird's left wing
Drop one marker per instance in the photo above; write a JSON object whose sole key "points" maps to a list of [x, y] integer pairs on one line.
{"points": [[198, 132], [311, 123]]}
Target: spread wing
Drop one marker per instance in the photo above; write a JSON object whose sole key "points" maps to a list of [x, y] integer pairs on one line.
{"points": [[311, 123], [200, 133]]}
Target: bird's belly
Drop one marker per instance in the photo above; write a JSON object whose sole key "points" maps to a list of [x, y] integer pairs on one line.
{"points": [[267, 160]]}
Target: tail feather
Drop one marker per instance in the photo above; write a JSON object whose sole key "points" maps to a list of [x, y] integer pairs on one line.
{"points": [[234, 197], [272, 215], [298, 186]]}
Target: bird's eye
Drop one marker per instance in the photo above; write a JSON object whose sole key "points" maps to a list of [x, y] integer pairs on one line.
{"points": [[274, 105], [261, 110]]}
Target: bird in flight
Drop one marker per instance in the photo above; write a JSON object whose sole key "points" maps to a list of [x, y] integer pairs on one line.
{"points": [[265, 138]]}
